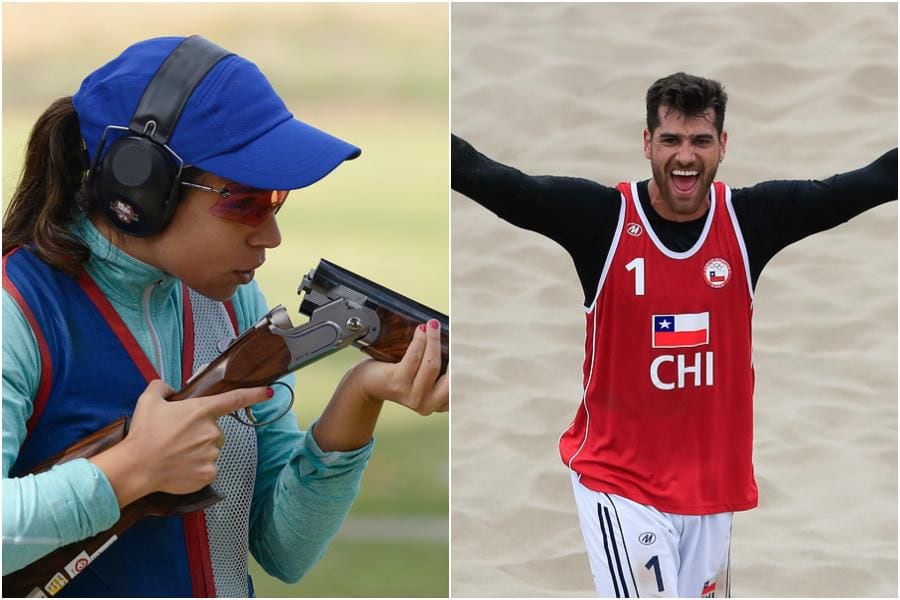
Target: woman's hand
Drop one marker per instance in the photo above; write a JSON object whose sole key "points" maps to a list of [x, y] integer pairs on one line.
{"points": [[171, 446], [414, 381], [349, 419]]}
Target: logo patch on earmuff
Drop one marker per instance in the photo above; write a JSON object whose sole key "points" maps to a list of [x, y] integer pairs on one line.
{"points": [[124, 212]]}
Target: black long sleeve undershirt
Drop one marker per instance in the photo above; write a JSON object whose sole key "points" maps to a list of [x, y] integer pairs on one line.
{"points": [[581, 215]]}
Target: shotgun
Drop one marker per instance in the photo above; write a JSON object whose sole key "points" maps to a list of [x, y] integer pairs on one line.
{"points": [[344, 309]]}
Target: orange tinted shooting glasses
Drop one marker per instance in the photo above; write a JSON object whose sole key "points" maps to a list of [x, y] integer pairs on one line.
{"points": [[242, 203]]}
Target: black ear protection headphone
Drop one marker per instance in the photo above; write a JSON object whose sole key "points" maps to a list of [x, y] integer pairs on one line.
{"points": [[136, 183]]}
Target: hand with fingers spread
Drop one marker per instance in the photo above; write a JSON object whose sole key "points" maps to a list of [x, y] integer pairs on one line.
{"points": [[415, 382], [171, 446]]}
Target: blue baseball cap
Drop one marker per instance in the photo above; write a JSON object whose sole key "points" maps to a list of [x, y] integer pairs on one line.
{"points": [[234, 124]]}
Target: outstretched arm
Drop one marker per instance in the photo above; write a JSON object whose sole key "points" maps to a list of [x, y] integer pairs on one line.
{"points": [[578, 214], [775, 214]]}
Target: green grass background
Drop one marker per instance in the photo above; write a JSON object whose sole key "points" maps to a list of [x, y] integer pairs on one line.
{"points": [[376, 75]]}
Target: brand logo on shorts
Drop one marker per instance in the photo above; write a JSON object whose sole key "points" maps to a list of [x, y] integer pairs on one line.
{"points": [[717, 272], [647, 538], [634, 229]]}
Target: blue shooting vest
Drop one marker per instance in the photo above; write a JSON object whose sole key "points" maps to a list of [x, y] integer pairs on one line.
{"points": [[94, 381]]}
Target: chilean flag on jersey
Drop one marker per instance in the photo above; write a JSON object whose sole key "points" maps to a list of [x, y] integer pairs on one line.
{"points": [[680, 331]]}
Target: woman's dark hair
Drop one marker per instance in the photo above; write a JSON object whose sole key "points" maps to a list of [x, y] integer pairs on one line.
{"points": [[52, 194], [49, 197], [688, 94]]}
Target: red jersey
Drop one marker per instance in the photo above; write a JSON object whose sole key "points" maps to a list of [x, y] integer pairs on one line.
{"points": [[667, 413]]}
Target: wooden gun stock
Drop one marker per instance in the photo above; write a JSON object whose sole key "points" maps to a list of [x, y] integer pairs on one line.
{"points": [[264, 353], [257, 358]]}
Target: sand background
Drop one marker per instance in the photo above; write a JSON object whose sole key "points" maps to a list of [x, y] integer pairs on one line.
{"points": [[559, 89]]}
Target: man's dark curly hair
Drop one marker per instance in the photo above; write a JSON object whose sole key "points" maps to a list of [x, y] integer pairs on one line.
{"points": [[688, 94]]}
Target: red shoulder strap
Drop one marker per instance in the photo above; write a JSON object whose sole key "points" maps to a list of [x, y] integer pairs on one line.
{"points": [[625, 188], [46, 382], [126, 338]]}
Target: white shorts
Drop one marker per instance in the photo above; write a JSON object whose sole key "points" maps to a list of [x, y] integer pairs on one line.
{"points": [[638, 551]]}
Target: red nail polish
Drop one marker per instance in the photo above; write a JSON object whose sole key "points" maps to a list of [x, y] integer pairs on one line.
{"points": [[434, 323], [422, 327], [270, 392]]}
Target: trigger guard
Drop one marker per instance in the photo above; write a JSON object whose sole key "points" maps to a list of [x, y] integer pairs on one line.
{"points": [[250, 421]]}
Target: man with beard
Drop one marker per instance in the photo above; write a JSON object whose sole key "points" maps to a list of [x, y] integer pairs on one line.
{"points": [[660, 449]]}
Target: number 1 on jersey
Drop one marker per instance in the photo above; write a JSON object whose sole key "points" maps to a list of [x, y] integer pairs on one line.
{"points": [[637, 265]]}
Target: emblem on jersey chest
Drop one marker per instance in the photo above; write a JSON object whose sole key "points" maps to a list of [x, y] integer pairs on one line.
{"points": [[634, 229], [717, 272]]}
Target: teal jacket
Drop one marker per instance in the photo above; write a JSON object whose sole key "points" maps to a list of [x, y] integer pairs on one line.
{"points": [[302, 494]]}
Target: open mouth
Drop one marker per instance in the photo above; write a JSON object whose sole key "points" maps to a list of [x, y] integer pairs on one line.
{"points": [[685, 181]]}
